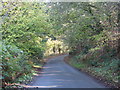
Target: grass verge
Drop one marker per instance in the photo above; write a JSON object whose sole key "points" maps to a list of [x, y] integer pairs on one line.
{"points": [[102, 74]]}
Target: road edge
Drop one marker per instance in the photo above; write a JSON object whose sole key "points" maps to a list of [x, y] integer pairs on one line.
{"points": [[88, 73]]}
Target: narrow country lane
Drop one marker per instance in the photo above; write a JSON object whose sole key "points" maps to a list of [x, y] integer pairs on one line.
{"points": [[57, 74]]}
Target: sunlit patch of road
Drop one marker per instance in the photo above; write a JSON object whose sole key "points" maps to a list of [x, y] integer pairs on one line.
{"points": [[57, 74]]}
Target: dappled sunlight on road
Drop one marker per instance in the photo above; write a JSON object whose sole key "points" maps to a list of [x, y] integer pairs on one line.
{"points": [[54, 86], [57, 74]]}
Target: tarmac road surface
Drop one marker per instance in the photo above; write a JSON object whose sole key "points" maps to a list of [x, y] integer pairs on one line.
{"points": [[57, 74]]}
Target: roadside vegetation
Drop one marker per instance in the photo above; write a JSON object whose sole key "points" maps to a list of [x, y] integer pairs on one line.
{"points": [[92, 34], [32, 31]]}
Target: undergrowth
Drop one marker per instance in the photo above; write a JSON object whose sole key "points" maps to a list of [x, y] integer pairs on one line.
{"points": [[105, 67]]}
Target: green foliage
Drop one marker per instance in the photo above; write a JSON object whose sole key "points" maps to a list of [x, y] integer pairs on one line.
{"points": [[24, 27], [83, 24], [109, 70], [14, 62], [78, 65], [106, 68], [84, 28]]}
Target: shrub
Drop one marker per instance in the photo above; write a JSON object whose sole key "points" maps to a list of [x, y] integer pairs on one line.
{"points": [[14, 63]]}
